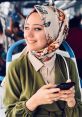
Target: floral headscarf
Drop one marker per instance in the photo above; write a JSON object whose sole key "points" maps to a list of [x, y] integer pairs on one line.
{"points": [[55, 25]]}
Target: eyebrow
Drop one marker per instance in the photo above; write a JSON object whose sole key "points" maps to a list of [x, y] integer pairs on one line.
{"points": [[36, 25]]}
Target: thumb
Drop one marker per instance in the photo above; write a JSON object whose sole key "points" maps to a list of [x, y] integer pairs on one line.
{"points": [[69, 80]]}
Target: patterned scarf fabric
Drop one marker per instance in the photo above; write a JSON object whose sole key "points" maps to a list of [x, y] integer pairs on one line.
{"points": [[56, 28]]}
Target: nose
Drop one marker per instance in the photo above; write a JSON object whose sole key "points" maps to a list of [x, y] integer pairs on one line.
{"points": [[29, 33]]}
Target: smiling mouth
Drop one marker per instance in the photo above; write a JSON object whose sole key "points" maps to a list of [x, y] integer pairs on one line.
{"points": [[32, 42]]}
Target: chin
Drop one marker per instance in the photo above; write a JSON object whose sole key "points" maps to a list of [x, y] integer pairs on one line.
{"points": [[34, 49]]}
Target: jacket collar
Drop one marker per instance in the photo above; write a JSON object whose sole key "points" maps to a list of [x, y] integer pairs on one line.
{"points": [[37, 64]]}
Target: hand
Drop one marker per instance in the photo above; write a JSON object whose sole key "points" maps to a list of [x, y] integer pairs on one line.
{"points": [[68, 96], [47, 94]]}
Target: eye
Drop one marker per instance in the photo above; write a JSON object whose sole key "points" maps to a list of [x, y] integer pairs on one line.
{"points": [[37, 29], [26, 28]]}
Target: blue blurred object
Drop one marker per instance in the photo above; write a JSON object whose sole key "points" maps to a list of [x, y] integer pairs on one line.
{"points": [[81, 82], [11, 49], [68, 49], [1, 79]]}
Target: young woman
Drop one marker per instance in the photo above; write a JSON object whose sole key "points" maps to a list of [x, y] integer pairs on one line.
{"points": [[30, 89]]}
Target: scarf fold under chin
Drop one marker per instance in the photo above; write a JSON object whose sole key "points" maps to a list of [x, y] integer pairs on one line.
{"points": [[45, 57]]}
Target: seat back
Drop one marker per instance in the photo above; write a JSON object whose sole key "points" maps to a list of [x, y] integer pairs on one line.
{"points": [[12, 48], [68, 53], [10, 55]]}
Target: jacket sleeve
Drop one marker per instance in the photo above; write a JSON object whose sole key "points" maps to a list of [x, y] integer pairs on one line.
{"points": [[77, 110], [13, 88]]}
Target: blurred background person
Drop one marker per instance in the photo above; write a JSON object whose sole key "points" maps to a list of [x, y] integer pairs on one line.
{"points": [[2, 52], [74, 39], [2, 61], [2, 35]]}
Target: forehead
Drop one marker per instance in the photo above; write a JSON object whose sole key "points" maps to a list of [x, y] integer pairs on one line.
{"points": [[33, 18]]}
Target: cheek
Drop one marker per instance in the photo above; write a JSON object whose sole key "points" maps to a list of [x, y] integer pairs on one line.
{"points": [[42, 42], [25, 35]]}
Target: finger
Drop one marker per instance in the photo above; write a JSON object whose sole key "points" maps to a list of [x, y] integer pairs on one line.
{"points": [[68, 93], [67, 97], [48, 86], [54, 99], [50, 101], [65, 92], [69, 80], [53, 90], [71, 90], [54, 95], [70, 100], [50, 96]]}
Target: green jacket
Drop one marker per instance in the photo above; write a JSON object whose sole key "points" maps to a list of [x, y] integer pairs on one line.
{"points": [[22, 81]]}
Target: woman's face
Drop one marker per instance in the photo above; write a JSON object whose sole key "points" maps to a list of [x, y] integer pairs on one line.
{"points": [[34, 32]]}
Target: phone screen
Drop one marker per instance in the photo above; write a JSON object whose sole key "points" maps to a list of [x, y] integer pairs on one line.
{"points": [[65, 86]]}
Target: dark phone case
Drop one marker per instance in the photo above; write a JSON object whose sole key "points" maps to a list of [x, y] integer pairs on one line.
{"points": [[65, 86]]}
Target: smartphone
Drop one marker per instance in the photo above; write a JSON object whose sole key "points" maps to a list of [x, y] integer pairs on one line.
{"points": [[65, 86]]}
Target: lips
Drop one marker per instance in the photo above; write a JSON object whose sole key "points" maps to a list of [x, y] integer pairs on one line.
{"points": [[31, 41]]}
